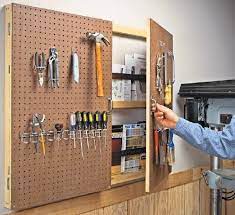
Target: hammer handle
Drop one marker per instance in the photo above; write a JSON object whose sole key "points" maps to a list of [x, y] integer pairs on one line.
{"points": [[99, 71]]}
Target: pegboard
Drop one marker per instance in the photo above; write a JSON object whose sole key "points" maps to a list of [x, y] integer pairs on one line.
{"points": [[157, 35], [62, 173]]}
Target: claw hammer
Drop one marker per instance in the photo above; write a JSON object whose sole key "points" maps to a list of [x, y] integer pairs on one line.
{"points": [[98, 38]]}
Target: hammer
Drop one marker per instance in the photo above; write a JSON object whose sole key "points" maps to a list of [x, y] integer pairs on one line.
{"points": [[98, 38]]}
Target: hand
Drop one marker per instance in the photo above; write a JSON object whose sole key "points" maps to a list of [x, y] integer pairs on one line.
{"points": [[164, 116]]}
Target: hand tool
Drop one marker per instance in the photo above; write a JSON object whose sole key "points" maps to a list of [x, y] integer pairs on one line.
{"points": [[92, 127], [98, 126], [79, 130], [34, 139], [98, 38], [59, 130], [170, 148], [158, 69], [155, 134], [162, 148], [39, 66], [156, 145], [168, 84], [104, 127], [75, 66], [53, 68], [40, 119], [72, 124], [85, 128]]}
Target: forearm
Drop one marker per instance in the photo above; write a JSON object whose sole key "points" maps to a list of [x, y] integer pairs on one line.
{"points": [[212, 142]]}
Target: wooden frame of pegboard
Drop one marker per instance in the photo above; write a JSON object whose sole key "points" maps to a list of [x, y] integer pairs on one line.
{"points": [[30, 178], [129, 32], [7, 105]]}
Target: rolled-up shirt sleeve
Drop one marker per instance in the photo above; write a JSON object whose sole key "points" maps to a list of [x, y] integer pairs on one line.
{"points": [[217, 143]]}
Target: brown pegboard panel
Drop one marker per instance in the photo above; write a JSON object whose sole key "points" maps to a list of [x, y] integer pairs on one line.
{"points": [[156, 33], [62, 173]]}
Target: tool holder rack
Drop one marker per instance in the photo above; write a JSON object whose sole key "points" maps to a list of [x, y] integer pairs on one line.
{"points": [[32, 178]]}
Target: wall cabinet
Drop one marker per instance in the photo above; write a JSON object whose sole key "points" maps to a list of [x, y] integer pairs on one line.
{"points": [[32, 179]]}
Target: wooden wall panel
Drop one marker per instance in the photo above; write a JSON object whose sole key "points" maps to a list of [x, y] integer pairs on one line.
{"points": [[230, 207], [118, 209], [161, 200], [95, 212], [142, 206], [204, 198], [192, 196], [175, 203]]}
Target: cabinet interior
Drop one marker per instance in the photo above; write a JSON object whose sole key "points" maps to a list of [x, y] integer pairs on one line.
{"points": [[127, 42]]}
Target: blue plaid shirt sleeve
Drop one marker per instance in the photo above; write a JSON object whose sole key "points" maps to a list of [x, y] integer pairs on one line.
{"points": [[216, 143]]}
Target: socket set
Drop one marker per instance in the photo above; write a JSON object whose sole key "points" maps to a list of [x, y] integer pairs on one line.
{"points": [[84, 127]]}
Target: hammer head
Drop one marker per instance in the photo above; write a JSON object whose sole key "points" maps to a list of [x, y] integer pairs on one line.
{"points": [[97, 37]]}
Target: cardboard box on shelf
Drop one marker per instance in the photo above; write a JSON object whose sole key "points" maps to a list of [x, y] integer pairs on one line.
{"points": [[135, 64], [138, 91], [118, 68], [121, 90]]}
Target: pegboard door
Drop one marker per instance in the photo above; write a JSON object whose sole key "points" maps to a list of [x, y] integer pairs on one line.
{"points": [[158, 40], [32, 178]]}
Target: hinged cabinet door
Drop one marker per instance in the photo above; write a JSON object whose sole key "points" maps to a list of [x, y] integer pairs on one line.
{"points": [[159, 42], [72, 163]]}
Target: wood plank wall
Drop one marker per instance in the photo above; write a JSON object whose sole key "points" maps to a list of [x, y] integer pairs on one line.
{"points": [[182, 193], [188, 199]]}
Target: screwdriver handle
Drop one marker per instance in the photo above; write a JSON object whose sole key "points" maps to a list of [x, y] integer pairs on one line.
{"points": [[104, 120], [91, 120], [78, 120], [85, 120], [72, 121], [98, 120]]}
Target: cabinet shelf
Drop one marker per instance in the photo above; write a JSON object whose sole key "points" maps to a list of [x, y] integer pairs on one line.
{"points": [[131, 77], [128, 104], [119, 179]]}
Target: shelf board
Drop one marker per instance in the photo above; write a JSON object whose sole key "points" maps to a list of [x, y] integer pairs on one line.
{"points": [[119, 179], [128, 104], [128, 77], [129, 32]]}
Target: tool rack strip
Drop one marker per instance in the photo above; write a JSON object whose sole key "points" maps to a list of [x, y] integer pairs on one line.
{"points": [[62, 173]]}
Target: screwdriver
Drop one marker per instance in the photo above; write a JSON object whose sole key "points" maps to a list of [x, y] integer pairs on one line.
{"points": [[79, 128], [105, 125], [41, 139], [98, 125], [73, 128], [92, 127], [85, 127], [59, 128]]}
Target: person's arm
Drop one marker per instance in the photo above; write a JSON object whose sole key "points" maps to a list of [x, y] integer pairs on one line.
{"points": [[221, 144]]}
